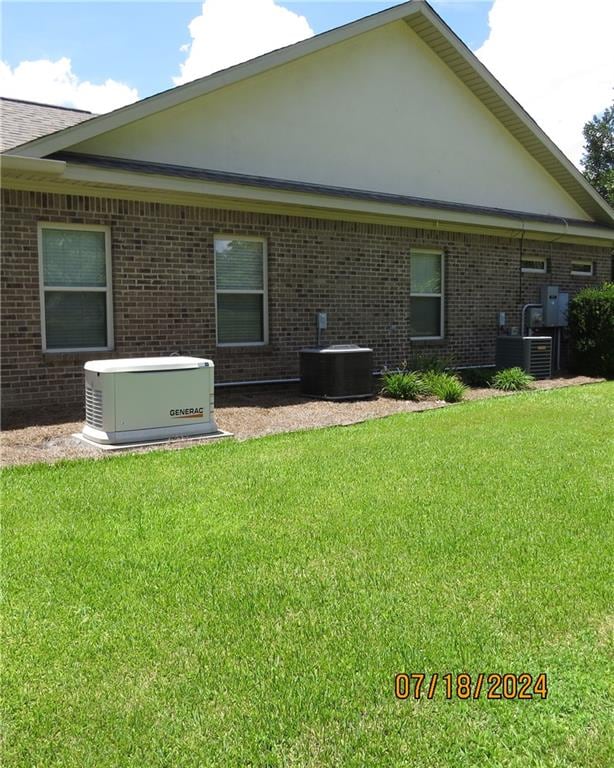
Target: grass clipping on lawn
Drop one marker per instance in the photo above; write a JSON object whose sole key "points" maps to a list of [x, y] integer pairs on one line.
{"points": [[250, 603]]}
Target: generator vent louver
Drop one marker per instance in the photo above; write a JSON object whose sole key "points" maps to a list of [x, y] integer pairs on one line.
{"points": [[93, 407]]}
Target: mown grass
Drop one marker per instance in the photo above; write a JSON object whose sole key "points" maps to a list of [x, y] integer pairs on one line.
{"points": [[248, 604]]}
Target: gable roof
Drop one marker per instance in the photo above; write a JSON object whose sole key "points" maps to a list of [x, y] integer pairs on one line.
{"points": [[23, 121], [430, 28]]}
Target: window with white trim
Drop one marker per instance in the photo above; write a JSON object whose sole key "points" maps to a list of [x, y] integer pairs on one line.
{"points": [[534, 264], [426, 295], [240, 288], [582, 268], [75, 288]]}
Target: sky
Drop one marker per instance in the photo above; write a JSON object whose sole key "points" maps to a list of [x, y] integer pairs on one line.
{"points": [[558, 63]]}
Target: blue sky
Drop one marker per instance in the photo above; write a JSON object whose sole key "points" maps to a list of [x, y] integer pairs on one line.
{"points": [[138, 42], [558, 63]]}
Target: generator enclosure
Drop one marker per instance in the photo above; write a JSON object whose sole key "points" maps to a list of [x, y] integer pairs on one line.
{"points": [[531, 353], [151, 398], [337, 372]]}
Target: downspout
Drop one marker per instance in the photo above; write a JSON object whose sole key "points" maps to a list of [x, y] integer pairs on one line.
{"points": [[520, 257]]}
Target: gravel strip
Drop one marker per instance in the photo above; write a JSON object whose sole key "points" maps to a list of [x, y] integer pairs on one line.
{"points": [[36, 436]]}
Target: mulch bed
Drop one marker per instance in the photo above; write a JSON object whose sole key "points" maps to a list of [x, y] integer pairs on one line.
{"points": [[46, 436]]}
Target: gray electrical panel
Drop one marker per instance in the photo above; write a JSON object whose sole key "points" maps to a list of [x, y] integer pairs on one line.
{"points": [[563, 309], [550, 305], [554, 306]]}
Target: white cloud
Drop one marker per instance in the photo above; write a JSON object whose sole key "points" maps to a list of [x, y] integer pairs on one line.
{"points": [[230, 31], [557, 59], [54, 82]]}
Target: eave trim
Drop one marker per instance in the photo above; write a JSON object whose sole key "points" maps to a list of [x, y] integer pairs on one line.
{"points": [[227, 177]]}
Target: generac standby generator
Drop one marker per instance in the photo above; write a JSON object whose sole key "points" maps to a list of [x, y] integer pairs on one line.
{"points": [[149, 398]]}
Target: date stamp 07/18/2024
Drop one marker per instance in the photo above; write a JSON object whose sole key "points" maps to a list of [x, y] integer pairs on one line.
{"points": [[463, 686]]}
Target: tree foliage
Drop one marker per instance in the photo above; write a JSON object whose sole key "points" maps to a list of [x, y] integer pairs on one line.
{"points": [[598, 158]]}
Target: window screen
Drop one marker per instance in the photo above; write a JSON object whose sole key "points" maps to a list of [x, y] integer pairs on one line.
{"points": [[426, 295], [534, 264], [76, 296], [240, 267], [584, 268]]}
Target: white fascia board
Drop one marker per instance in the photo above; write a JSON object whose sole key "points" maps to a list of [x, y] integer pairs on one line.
{"points": [[240, 192], [67, 137], [31, 165]]}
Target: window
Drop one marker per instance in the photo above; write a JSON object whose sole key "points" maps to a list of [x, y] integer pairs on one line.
{"points": [[584, 268], [75, 288], [534, 264], [426, 296], [240, 286]]}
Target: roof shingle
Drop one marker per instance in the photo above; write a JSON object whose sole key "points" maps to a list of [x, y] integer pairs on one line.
{"points": [[22, 121]]}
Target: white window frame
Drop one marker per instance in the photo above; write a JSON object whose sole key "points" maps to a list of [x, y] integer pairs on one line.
{"points": [[108, 289], [542, 271], [440, 296], [585, 262], [264, 292]]}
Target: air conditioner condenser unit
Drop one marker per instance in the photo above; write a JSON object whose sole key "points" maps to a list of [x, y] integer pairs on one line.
{"points": [[151, 398], [531, 353]]}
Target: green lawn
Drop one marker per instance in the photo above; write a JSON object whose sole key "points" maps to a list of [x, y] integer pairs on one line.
{"points": [[248, 604]]}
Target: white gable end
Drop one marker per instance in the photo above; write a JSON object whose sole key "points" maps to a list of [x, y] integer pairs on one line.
{"points": [[377, 112]]}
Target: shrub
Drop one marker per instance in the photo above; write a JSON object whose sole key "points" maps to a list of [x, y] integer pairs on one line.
{"points": [[403, 385], [477, 377], [512, 379], [430, 363], [444, 386], [591, 327]]}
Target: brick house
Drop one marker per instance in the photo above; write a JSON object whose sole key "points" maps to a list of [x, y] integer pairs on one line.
{"points": [[377, 172]]}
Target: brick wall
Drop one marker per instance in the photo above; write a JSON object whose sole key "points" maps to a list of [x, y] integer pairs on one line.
{"points": [[163, 288]]}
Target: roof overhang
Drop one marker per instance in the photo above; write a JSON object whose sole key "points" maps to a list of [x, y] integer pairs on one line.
{"points": [[15, 164], [214, 189], [430, 28]]}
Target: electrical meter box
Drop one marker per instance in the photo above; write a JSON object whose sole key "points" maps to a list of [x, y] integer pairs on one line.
{"points": [[535, 317]]}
